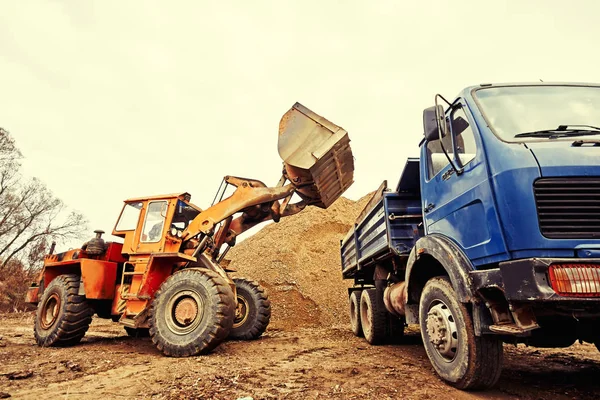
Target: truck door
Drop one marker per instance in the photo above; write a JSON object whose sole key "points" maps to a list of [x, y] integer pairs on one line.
{"points": [[461, 206]]}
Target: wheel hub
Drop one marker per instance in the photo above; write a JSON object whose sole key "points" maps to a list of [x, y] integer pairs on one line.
{"points": [[186, 311], [241, 312], [50, 311], [442, 331]]}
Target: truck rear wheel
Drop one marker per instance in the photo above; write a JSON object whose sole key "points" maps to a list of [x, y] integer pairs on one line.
{"points": [[192, 313], [355, 313], [253, 311], [458, 356], [63, 317], [373, 318]]}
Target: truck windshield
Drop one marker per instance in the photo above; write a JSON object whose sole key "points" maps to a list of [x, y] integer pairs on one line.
{"points": [[526, 113]]}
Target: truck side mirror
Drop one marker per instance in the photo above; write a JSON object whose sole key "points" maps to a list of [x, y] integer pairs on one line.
{"points": [[430, 122]]}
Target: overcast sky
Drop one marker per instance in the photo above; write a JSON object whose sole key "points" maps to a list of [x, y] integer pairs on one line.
{"points": [[110, 99]]}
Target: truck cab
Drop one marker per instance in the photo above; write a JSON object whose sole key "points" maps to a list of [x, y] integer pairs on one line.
{"points": [[519, 194], [507, 246]]}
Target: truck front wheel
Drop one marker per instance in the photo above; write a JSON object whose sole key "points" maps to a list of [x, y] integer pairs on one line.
{"points": [[458, 356], [63, 316], [192, 313]]}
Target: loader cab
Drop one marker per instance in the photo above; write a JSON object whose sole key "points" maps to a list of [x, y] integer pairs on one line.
{"points": [[154, 224]]}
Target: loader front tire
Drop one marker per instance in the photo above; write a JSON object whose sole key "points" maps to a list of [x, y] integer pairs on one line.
{"points": [[192, 313], [253, 311], [63, 316]]}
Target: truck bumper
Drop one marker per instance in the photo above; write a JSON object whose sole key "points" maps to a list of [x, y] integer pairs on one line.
{"points": [[519, 298], [529, 281]]}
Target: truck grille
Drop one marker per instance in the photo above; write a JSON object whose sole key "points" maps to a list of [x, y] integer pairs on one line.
{"points": [[568, 208]]}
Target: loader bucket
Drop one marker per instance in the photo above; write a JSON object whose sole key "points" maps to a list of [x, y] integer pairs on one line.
{"points": [[316, 154]]}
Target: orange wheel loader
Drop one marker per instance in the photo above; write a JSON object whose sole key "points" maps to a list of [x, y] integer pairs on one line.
{"points": [[167, 278]]}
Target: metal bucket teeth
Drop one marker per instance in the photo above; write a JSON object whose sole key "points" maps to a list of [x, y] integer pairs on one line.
{"points": [[316, 154]]}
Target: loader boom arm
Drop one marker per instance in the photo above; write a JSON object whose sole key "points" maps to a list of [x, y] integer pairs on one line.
{"points": [[248, 193], [317, 164]]}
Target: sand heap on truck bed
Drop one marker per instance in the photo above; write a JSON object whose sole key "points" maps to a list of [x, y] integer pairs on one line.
{"points": [[298, 261]]}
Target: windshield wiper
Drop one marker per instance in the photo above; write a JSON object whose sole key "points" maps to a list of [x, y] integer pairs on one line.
{"points": [[563, 131]]}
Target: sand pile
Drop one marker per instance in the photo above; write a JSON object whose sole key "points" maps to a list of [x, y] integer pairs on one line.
{"points": [[298, 261]]}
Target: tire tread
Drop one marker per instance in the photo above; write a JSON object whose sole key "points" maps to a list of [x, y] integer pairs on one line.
{"points": [[77, 316]]}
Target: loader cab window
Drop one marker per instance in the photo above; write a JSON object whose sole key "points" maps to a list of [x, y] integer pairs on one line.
{"points": [[464, 143], [129, 217], [155, 221], [184, 214]]}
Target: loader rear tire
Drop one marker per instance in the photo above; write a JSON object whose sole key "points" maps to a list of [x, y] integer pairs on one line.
{"points": [[253, 311], [355, 313], [192, 313], [63, 317], [459, 357], [373, 317]]}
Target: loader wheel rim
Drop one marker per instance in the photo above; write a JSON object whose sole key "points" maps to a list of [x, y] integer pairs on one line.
{"points": [[241, 312], [186, 310], [50, 311], [442, 331]]}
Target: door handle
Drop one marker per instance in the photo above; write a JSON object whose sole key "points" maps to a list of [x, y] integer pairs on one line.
{"points": [[429, 207]]}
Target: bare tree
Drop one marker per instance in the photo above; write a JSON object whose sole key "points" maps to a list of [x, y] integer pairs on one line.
{"points": [[30, 216]]}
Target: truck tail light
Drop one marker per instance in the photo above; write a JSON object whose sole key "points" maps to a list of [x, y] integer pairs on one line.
{"points": [[575, 280]]}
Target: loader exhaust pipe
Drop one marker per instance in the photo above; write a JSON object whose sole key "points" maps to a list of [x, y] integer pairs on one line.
{"points": [[394, 298]]}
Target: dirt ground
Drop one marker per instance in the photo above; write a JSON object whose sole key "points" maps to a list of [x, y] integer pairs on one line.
{"points": [[308, 351], [304, 363]]}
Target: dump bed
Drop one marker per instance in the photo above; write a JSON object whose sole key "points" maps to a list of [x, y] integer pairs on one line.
{"points": [[388, 227]]}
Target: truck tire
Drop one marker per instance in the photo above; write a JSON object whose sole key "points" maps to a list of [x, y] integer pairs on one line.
{"points": [[63, 317], [459, 357], [137, 332], [373, 318], [355, 313], [191, 313], [253, 311]]}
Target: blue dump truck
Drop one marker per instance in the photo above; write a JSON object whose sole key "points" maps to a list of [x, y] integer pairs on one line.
{"points": [[491, 236]]}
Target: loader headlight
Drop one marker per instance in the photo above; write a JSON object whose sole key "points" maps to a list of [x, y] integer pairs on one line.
{"points": [[176, 232]]}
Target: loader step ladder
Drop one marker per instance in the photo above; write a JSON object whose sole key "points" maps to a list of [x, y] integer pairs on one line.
{"points": [[125, 294]]}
